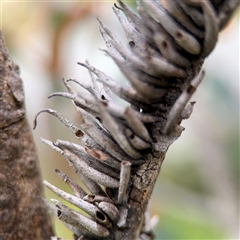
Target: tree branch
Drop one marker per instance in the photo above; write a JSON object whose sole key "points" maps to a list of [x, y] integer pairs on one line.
{"points": [[121, 149], [168, 41]]}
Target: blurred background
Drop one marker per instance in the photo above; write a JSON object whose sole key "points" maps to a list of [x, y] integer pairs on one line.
{"points": [[197, 193]]}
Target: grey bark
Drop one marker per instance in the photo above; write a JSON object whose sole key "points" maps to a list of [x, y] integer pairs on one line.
{"points": [[22, 213]]}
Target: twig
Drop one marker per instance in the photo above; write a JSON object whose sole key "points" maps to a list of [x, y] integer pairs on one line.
{"points": [[124, 180], [77, 190], [181, 102], [79, 221], [87, 207]]}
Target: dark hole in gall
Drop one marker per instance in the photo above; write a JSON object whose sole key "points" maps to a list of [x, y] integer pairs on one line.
{"points": [[99, 119], [79, 133], [91, 197], [132, 136], [59, 212], [164, 44], [132, 44], [178, 35], [100, 216], [103, 97]]}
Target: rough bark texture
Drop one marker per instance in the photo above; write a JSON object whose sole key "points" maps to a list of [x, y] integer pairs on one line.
{"points": [[22, 213]]}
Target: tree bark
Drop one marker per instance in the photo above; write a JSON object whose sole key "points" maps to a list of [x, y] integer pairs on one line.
{"points": [[22, 213]]}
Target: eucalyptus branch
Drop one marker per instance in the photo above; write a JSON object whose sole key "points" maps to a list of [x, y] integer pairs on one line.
{"points": [[168, 43], [124, 147]]}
